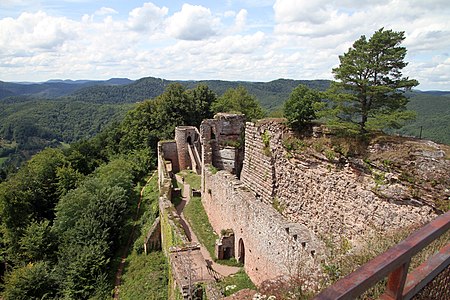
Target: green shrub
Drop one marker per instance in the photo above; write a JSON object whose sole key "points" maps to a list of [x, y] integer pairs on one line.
{"points": [[265, 136], [330, 154], [213, 169], [277, 205], [292, 144]]}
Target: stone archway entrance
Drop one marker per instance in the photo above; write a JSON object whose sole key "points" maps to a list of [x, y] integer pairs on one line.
{"points": [[241, 252]]}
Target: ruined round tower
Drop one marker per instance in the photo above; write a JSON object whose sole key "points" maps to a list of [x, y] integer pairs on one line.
{"points": [[185, 136]]}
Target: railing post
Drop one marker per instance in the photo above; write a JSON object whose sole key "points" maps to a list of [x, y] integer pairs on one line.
{"points": [[396, 283]]}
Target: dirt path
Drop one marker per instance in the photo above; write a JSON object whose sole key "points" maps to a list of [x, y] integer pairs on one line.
{"points": [[118, 276], [186, 197]]}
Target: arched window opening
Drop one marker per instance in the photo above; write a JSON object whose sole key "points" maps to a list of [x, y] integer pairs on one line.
{"points": [[241, 252]]}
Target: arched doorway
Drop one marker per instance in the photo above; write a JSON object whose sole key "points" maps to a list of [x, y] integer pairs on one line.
{"points": [[189, 140], [241, 252]]}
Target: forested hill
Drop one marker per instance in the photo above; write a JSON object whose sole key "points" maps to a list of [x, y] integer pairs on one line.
{"points": [[53, 88], [433, 116], [432, 107], [145, 88], [36, 115], [271, 94]]}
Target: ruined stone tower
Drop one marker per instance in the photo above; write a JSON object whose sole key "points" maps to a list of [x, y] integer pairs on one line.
{"points": [[187, 141]]}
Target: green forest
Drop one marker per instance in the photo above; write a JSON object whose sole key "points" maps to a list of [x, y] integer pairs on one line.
{"points": [[78, 110], [63, 213], [30, 123], [433, 116]]}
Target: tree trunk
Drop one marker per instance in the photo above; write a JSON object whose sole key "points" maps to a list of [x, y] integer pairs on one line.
{"points": [[364, 113], [362, 124]]}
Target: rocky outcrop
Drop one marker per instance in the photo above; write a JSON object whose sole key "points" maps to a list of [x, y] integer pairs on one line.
{"points": [[331, 197]]}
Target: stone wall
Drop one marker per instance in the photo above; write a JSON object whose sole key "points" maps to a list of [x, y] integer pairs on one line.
{"points": [[172, 233], [152, 240], [329, 201], [258, 171], [169, 153], [222, 139], [269, 245]]}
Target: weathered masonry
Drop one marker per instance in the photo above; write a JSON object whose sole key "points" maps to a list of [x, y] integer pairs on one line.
{"points": [[269, 209], [251, 231], [267, 244]]}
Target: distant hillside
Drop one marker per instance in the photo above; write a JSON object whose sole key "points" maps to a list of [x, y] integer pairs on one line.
{"points": [[270, 94], [53, 88], [122, 90], [139, 90], [29, 126], [433, 115], [78, 109]]}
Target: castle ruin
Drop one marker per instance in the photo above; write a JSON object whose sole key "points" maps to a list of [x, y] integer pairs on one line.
{"points": [[245, 179]]}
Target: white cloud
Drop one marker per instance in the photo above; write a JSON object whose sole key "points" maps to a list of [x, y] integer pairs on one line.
{"points": [[193, 22], [287, 11], [435, 72], [34, 31], [9, 3], [291, 39], [229, 14], [331, 27], [104, 11], [147, 17], [241, 19]]}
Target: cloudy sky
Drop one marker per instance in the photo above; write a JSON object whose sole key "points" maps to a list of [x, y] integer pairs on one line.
{"points": [[251, 40]]}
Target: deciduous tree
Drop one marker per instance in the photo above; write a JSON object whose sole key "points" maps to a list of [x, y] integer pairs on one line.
{"points": [[239, 100], [300, 108]]}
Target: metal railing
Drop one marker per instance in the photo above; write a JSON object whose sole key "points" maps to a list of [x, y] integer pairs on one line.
{"points": [[433, 275]]}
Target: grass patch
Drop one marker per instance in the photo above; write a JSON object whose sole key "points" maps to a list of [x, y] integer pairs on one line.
{"points": [[232, 262], [198, 219], [176, 200], [145, 277], [191, 178], [176, 184], [236, 282]]}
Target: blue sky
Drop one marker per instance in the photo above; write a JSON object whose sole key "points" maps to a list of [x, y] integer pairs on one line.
{"points": [[229, 40]]}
